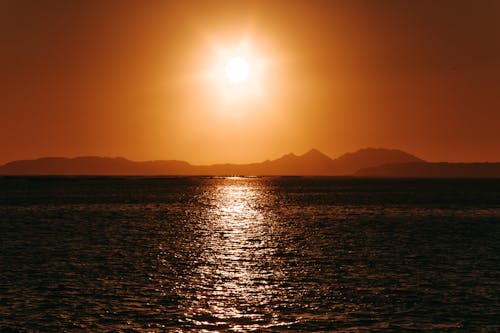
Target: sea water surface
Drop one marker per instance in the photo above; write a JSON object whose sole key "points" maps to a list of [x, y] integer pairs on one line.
{"points": [[291, 254]]}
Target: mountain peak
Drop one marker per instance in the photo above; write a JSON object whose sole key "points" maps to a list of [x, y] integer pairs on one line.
{"points": [[313, 151], [376, 150], [351, 162], [289, 156], [384, 153], [315, 154]]}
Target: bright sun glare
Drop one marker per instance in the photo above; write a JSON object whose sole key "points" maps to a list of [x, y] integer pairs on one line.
{"points": [[238, 72], [237, 69]]}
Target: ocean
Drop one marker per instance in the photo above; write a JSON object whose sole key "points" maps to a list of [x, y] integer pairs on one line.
{"points": [[277, 254]]}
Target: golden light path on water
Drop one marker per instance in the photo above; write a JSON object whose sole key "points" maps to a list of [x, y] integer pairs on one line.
{"points": [[235, 280]]}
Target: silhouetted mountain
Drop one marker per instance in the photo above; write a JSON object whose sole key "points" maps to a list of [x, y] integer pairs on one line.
{"points": [[433, 170], [90, 165], [311, 163], [370, 157]]}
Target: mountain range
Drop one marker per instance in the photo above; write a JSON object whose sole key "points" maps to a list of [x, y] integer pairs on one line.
{"points": [[368, 162], [313, 162]]}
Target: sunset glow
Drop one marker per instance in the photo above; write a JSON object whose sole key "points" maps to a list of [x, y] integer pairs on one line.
{"points": [[240, 82], [239, 73], [237, 166], [237, 69]]}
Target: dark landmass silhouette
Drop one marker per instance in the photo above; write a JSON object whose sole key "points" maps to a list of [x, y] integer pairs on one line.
{"points": [[352, 162], [312, 163], [433, 170], [368, 162], [92, 165]]}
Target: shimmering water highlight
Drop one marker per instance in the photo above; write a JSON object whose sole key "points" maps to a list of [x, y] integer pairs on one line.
{"points": [[248, 254]]}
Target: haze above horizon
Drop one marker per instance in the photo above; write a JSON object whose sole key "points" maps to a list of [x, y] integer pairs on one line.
{"points": [[227, 82]]}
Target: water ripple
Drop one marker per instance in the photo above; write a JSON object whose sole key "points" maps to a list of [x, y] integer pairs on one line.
{"points": [[239, 254]]}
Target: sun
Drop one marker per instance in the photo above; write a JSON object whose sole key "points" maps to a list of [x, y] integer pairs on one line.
{"points": [[237, 69], [238, 73]]}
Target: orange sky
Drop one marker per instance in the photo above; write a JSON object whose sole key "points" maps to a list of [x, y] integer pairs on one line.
{"points": [[127, 78]]}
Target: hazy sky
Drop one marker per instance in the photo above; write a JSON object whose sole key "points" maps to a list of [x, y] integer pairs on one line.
{"points": [[145, 79]]}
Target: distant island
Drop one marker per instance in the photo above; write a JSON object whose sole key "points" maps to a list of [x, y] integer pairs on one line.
{"points": [[433, 170], [368, 162]]}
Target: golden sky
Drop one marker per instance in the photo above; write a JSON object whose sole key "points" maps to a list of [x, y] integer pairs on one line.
{"points": [[145, 79]]}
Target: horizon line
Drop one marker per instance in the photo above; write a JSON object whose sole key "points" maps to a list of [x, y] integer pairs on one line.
{"points": [[213, 163]]}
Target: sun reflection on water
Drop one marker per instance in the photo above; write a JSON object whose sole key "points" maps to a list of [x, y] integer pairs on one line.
{"points": [[235, 281]]}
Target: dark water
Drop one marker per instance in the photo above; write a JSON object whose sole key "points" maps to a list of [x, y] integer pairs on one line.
{"points": [[243, 254]]}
